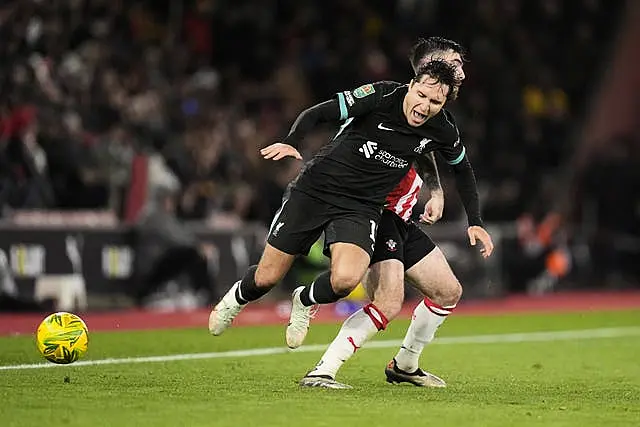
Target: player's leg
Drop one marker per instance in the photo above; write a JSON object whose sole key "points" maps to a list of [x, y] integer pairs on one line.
{"points": [[361, 326], [256, 282], [291, 233], [385, 284], [433, 277], [348, 264], [350, 239]]}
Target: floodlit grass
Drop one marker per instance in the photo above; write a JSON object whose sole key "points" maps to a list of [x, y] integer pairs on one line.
{"points": [[574, 381]]}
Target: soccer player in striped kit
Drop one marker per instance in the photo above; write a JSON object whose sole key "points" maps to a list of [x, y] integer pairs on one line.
{"points": [[403, 250]]}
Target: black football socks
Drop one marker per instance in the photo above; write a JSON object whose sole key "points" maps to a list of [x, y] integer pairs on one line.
{"points": [[320, 291], [248, 291]]}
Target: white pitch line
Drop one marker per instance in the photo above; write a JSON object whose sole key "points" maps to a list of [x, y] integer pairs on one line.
{"points": [[471, 339]]}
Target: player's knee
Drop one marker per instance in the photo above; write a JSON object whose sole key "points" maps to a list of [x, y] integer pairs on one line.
{"points": [[389, 305], [267, 277], [454, 294], [344, 281], [448, 295]]}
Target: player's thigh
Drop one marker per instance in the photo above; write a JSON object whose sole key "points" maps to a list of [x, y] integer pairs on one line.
{"points": [[292, 232], [390, 238], [293, 229], [356, 228], [350, 237], [429, 271], [417, 245], [384, 282]]}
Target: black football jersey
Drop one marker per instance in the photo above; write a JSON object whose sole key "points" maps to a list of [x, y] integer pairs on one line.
{"points": [[374, 147]]}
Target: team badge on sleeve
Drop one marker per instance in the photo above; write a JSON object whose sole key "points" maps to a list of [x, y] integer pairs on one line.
{"points": [[364, 90]]}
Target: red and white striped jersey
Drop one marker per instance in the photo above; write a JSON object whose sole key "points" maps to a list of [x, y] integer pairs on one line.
{"points": [[405, 196]]}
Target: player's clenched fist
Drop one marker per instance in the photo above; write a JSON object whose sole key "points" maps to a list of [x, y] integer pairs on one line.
{"points": [[433, 208], [279, 151]]}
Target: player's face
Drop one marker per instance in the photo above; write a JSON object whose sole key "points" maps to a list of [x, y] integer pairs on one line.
{"points": [[424, 99]]}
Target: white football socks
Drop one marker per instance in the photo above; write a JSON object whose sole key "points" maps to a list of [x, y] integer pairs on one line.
{"points": [[355, 331], [427, 318]]}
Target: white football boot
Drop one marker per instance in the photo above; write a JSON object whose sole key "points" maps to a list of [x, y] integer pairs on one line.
{"points": [[299, 320], [225, 311], [322, 381]]}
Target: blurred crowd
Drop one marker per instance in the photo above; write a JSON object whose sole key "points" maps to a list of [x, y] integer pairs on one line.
{"points": [[89, 84], [89, 87], [199, 86]]}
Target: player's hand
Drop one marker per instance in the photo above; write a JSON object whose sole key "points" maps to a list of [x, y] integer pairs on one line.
{"points": [[279, 151], [476, 233], [433, 208]]}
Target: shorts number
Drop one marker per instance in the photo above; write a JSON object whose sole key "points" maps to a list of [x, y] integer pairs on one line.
{"points": [[374, 226]]}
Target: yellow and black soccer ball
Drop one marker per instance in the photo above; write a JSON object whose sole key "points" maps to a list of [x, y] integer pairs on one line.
{"points": [[62, 338]]}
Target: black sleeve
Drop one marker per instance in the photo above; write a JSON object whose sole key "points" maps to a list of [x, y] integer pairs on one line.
{"points": [[321, 113], [364, 99], [451, 148], [468, 190]]}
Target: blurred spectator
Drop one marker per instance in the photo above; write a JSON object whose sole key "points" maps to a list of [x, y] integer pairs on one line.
{"points": [[10, 300], [165, 249]]}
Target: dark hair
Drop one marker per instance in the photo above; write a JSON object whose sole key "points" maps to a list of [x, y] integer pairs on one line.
{"points": [[426, 47], [442, 72]]}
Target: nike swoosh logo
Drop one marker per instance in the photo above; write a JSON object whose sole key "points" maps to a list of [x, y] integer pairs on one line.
{"points": [[383, 127]]}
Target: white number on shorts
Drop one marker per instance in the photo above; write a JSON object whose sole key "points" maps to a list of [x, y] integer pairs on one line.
{"points": [[374, 225]]}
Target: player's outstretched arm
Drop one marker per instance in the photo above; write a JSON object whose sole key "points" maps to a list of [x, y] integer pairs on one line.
{"points": [[324, 112], [328, 111], [468, 190]]}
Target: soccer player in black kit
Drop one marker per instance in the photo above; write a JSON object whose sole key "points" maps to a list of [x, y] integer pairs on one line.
{"points": [[342, 190]]}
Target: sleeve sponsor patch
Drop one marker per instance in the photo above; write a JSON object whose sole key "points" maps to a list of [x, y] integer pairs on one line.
{"points": [[349, 98], [364, 90]]}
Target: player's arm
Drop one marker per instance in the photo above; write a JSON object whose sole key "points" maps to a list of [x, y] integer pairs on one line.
{"points": [[468, 190], [346, 104], [429, 170], [434, 207], [456, 156], [321, 113], [324, 112]]}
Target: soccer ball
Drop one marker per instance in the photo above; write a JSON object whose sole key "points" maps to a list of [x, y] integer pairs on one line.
{"points": [[62, 338]]}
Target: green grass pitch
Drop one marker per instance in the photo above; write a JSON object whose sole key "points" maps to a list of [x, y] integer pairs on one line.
{"points": [[575, 380]]}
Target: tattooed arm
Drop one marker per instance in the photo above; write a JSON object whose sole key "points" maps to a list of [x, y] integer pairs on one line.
{"points": [[428, 169]]}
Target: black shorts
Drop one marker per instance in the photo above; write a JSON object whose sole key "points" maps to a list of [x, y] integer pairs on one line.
{"points": [[301, 220], [400, 240]]}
